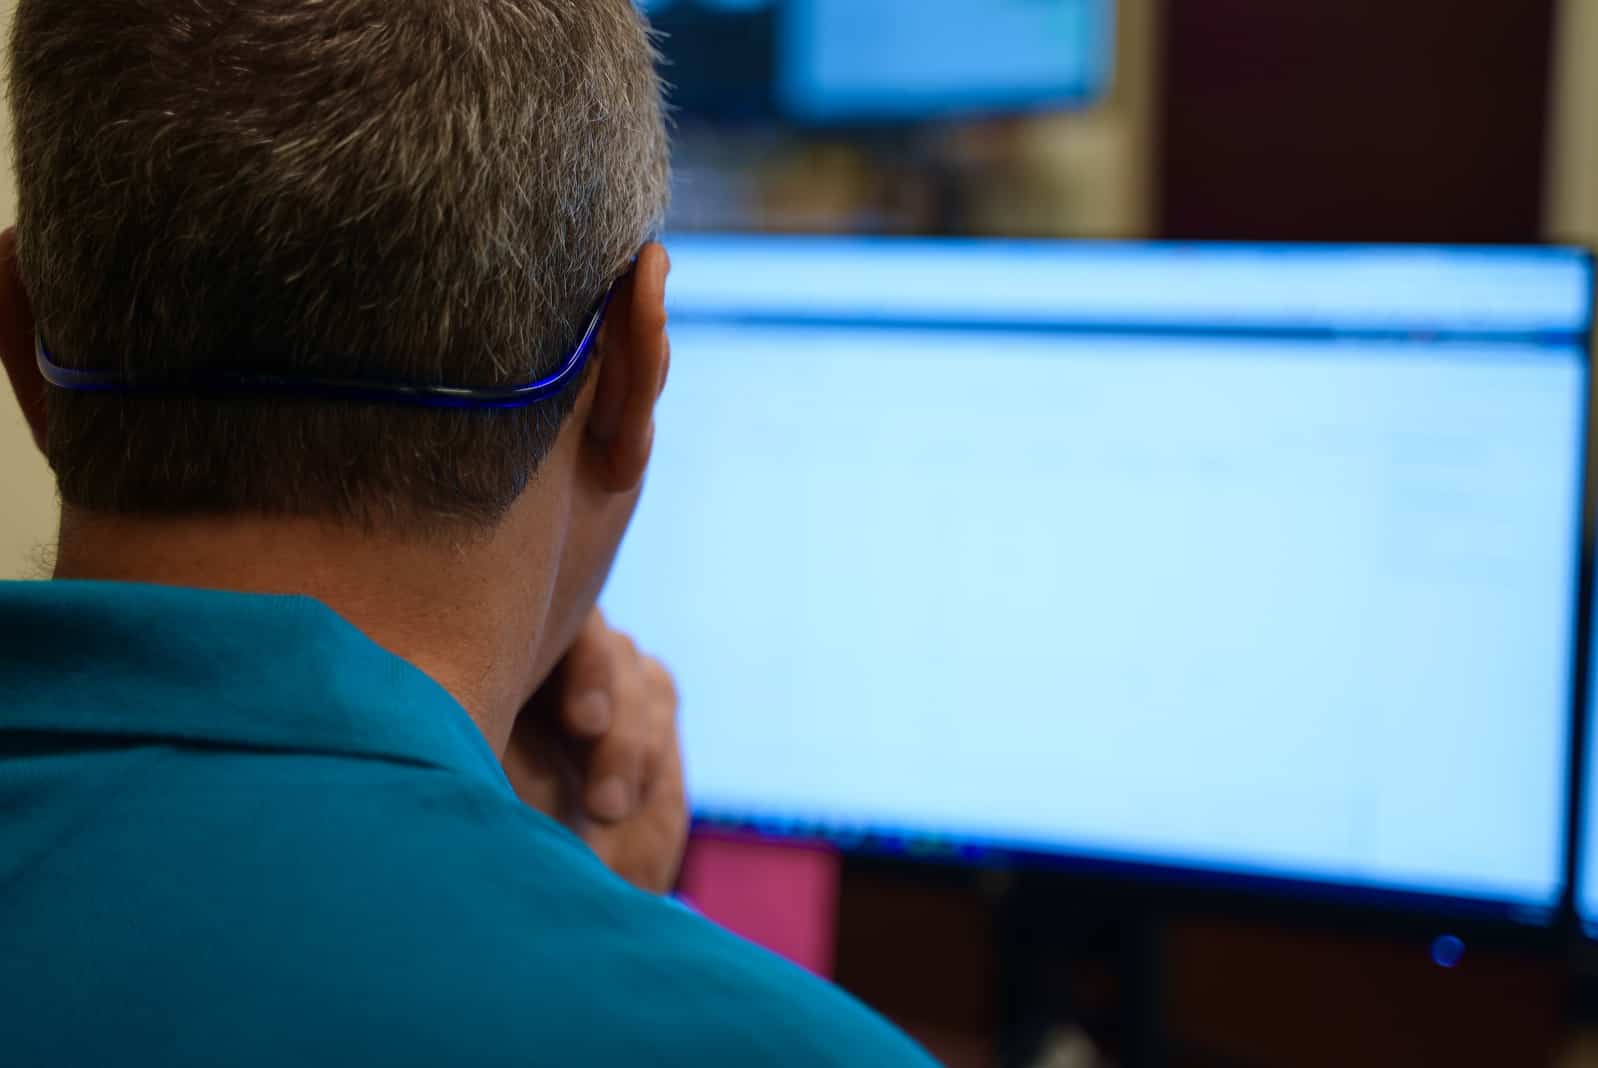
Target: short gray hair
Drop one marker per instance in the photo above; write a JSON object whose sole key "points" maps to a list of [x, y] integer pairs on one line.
{"points": [[412, 190]]}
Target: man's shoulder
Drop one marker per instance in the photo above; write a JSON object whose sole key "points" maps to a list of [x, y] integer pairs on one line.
{"points": [[393, 914], [560, 954], [721, 998], [748, 1006]]}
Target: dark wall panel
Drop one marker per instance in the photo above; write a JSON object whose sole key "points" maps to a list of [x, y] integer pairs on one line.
{"points": [[1402, 120]]}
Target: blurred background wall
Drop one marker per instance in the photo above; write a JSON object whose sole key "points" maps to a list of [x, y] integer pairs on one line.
{"points": [[1356, 120], [27, 493], [1572, 213]]}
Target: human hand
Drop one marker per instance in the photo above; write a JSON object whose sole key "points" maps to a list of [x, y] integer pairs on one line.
{"points": [[597, 749]]}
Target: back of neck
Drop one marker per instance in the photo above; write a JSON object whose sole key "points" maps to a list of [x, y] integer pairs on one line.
{"points": [[468, 613]]}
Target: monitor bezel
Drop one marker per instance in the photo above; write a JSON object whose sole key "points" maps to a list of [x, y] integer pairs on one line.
{"points": [[1581, 688]]}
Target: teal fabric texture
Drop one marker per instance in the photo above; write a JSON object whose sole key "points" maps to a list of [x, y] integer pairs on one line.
{"points": [[234, 831]]}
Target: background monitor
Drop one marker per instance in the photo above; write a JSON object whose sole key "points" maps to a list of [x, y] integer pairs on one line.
{"points": [[895, 60], [853, 61], [1251, 563]]}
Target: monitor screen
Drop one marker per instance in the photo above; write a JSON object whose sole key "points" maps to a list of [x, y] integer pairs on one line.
{"points": [[900, 59], [853, 61], [1242, 562]]}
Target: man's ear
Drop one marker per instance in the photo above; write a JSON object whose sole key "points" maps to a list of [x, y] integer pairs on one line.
{"points": [[16, 339], [634, 359]]}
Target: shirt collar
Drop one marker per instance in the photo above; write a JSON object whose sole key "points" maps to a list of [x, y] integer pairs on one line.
{"points": [[223, 669]]}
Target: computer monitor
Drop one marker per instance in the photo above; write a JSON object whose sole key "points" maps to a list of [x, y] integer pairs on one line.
{"points": [[892, 60], [881, 61], [1249, 564]]}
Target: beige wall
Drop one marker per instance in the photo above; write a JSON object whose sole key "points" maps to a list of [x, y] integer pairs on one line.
{"points": [[27, 493], [1573, 174], [1087, 173]]}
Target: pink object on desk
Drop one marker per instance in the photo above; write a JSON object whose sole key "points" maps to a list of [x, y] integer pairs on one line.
{"points": [[780, 896]]}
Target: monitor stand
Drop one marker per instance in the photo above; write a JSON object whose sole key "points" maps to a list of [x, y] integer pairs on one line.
{"points": [[1048, 938]]}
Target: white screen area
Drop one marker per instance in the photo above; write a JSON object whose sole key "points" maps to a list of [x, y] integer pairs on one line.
{"points": [[1259, 603]]}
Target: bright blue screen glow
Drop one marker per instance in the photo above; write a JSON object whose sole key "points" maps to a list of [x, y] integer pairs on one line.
{"points": [[1274, 577], [897, 59]]}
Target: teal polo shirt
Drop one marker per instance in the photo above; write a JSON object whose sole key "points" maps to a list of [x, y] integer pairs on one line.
{"points": [[233, 831]]}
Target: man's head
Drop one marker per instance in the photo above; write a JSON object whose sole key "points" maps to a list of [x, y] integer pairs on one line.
{"points": [[429, 191], [407, 191]]}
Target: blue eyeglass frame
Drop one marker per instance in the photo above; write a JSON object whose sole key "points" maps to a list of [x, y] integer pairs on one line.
{"points": [[258, 384]]}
